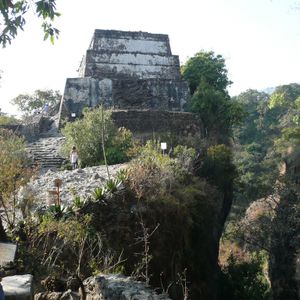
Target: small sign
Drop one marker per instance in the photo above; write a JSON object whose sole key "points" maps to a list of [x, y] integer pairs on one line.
{"points": [[73, 115], [163, 146], [7, 253]]}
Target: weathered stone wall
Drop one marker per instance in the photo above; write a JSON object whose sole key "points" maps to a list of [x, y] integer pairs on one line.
{"points": [[30, 130], [139, 66], [146, 123], [123, 94], [124, 54], [156, 43]]}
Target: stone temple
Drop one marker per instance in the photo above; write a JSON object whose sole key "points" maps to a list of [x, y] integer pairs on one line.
{"points": [[136, 75]]}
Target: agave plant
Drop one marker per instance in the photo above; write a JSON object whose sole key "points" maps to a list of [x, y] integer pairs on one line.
{"points": [[78, 202], [99, 193], [113, 185], [122, 175], [56, 211]]}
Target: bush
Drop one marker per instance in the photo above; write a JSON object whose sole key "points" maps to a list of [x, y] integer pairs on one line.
{"points": [[152, 172], [14, 174], [217, 166], [185, 156], [86, 135], [244, 279], [8, 120]]}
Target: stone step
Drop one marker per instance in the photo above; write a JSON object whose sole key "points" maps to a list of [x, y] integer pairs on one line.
{"points": [[45, 152], [38, 156], [57, 161]]}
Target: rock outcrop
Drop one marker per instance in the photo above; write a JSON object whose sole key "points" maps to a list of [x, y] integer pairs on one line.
{"points": [[109, 287], [79, 182], [118, 287]]}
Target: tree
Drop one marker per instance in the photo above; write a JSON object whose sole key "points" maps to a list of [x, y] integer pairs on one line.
{"points": [[208, 67], [254, 151], [12, 18], [208, 81], [27, 102], [86, 134], [243, 277]]}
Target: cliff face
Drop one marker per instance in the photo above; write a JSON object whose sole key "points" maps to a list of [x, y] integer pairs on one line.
{"points": [[164, 238], [273, 224], [161, 238], [284, 248]]}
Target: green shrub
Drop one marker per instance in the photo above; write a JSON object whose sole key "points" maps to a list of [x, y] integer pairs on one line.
{"points": [[55, 211], [217, 166], [117, 148], [8, 120], [153, 173], [244, 279], [86, 135], [185, 156]]}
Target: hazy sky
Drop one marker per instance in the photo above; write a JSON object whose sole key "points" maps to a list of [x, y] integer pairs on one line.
{"points": [[260, 40]]}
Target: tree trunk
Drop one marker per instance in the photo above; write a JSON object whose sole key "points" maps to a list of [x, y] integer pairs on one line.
{"points": [[3, 237]]}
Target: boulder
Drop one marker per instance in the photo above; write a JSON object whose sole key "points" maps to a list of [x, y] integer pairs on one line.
{"points": [[18, 287], [119, 287], [68, 295]]}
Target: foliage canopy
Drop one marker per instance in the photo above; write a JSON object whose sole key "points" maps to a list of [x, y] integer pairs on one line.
{"points": [[12, 18], [270, 127], [206, 74], [28, 102], [207, 67]]}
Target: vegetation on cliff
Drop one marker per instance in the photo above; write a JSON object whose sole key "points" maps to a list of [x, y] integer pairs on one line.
{"points": [[162, 218], [13, 174], [154, 221], [267, 159]]}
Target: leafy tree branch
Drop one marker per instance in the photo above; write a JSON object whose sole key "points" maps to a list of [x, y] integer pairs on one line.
{"points": [[13, 18]]}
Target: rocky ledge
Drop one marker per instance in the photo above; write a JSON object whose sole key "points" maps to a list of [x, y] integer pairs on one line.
{"points": [[79, 182]]}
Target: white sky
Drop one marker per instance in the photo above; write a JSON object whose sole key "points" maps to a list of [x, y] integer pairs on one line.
{"points": [[260, 40]]}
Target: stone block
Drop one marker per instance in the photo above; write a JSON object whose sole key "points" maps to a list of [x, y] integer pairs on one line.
{"points": [[18, 287]]}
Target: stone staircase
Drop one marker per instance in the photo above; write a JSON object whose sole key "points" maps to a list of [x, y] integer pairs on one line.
{"points": [[45, 152], [44, 148]]}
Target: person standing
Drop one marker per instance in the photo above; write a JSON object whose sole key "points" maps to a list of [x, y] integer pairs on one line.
{"points": [[45, 109], [74, 158]]}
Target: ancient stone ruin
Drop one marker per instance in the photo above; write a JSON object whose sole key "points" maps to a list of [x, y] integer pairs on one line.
{"points": [[135, 74]]}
